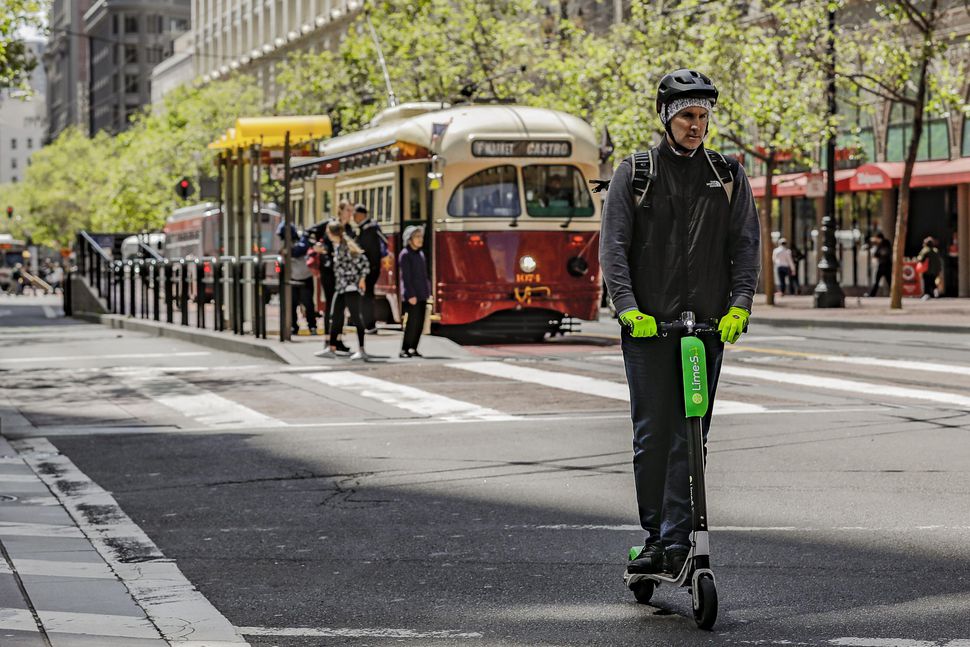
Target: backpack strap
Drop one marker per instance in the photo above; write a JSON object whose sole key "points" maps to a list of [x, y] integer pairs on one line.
{"points": [[644, 173], [722, 170]]}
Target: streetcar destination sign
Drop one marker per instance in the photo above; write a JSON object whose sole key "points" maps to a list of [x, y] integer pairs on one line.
{"points": [[497, 148]]}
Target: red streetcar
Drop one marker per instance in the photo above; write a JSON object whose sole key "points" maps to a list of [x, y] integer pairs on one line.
{"points": [[511, 226]]}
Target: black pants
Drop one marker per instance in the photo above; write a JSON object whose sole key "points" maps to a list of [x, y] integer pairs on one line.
{"points": [[367, 302], [303, 295], [929, 284], [328, 283], [882, 272], [660, 428], [350, 301], [415, 324], [784, 274]]}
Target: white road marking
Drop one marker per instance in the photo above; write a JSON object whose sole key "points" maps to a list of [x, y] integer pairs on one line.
{"points": [[50, 313], [70, 358], [17, 478], [904, 364], [636, 528], [848, 386], [17, 620], [327, 632], [409, 398], [50, 568], [182, 614], [882, 642], [195, 402], [584, 384], [12, 529]]}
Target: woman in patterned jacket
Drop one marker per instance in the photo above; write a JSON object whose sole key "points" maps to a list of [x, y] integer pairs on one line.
{"points": [[350, 268]]}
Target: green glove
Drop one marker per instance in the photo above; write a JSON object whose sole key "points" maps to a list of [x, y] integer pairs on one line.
{"points": [[732, 324], [640, 325]]}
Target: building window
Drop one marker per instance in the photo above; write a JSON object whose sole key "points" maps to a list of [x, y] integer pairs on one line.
{"points": [[131, 83], [13, 162], [934, 142], [114, 24], [13, 144], [131, 54], [14, 179], [131, 24], [30, 143]]}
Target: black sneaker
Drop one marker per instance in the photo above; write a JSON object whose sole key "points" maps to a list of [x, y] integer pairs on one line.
{"points": [[674, 559], [415, 353], [404, 354], [650, 559], [342, 348]]}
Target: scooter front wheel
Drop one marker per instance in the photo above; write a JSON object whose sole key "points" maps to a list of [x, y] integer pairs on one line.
{"points": [[643, 591], [705, 603]]}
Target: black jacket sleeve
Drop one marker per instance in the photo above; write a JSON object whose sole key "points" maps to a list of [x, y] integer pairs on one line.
{"points": [[616, 234], [744, 240]]}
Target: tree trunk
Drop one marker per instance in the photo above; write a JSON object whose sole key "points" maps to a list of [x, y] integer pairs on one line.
{"points": [[902, 207], [767, 266]]}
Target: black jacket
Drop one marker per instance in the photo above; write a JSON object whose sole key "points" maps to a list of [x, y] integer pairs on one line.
{"points": [[413, 269], [686, 248], [369, 238]]}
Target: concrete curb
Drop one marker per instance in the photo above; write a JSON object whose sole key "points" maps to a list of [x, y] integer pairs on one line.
{"points": [[216, 340], [856, 325]]}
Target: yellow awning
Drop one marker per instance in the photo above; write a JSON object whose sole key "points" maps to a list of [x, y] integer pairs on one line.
{"points": [[270, 132]]}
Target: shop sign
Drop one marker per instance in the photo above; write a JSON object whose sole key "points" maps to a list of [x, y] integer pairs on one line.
{"points": [[870, 179], [815, 185]]}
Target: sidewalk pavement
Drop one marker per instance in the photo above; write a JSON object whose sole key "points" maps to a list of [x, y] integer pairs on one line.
{"points": [[933, 315]]}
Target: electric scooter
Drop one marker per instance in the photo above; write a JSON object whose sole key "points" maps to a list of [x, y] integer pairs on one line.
{"points": [[696, 572]]}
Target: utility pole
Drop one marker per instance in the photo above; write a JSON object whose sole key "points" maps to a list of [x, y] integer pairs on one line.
{"points": [[828, 292]]}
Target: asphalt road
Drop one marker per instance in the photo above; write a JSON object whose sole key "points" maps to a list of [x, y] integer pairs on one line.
{"points": [[485, 504]]}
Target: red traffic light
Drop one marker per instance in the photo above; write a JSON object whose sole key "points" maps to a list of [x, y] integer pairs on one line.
{"points": [[10, 212], [184, 184], [184, 188]]}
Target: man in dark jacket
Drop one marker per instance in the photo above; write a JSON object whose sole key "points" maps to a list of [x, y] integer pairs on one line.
{"points": [[415, 288], [685, 246], [371, 239], [882, 251]]}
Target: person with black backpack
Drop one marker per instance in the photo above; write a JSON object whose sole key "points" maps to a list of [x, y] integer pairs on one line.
{"points": [[374, 243], [680, 232]]}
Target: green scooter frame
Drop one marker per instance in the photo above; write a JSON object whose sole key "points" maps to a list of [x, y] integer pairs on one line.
{"points": [[696, 573]]}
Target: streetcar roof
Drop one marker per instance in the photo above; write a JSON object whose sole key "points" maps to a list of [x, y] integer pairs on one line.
{"points": [[465, 123]]}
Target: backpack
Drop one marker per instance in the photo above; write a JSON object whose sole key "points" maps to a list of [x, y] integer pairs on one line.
{"points": [[381, 238], [644, 173]]}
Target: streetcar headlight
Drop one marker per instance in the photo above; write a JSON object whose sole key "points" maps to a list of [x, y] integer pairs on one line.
{"points": [[527, 264]]}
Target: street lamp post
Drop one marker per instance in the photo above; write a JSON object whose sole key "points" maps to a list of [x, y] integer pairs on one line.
{"points": [[828, 292]]}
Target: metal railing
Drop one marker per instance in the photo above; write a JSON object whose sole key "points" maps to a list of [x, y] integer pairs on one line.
{"points": [[151, 286]]}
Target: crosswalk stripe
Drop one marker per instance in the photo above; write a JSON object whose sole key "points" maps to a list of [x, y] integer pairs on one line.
{"points": [[195, 402], [584, 384], [848, 386], [69, 358], [408, 397], [904, 364]]}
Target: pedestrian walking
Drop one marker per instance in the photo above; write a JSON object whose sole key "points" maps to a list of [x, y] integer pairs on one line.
{"points": [[350, 267], [933, 265], [784, 266], [682, 243], [415, 288], [372, 240], [882, 252], [301, 280]]}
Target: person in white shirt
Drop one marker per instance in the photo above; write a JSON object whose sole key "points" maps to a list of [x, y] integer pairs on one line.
{"points": [[784, 267]]}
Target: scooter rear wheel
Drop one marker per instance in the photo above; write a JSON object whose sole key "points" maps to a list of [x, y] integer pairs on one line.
{"points": [[705, 603], [643, 591]]}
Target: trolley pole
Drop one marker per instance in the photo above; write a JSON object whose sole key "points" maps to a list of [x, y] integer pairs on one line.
{"points": [[828, 292]]}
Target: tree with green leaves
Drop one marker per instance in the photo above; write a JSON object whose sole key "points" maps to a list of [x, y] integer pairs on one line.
{"points": [[901, 56], [772, 80], [16, 59]]}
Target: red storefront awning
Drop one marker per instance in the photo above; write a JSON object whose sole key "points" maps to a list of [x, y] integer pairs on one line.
{"points": [[796, 184], [877, 176]]}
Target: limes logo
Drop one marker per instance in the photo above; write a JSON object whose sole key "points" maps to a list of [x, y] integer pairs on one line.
{"points": [[697, 398]]}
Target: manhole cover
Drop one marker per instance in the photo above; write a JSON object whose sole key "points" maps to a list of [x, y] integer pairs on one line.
{"points": [[7, 497]]}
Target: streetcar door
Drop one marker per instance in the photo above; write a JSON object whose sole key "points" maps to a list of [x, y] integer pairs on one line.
{"points": [[415, 210]]}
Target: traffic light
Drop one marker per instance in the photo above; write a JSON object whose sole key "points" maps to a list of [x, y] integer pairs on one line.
{"points": [[184, 188], [9, 213]]}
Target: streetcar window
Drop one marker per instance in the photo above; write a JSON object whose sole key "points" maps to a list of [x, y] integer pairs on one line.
{"points": [[414, 194], [370, 201], [492, 192], [556, 191], [389, 206], [379, 207]]}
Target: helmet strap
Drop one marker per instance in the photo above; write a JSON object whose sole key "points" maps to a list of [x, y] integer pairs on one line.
{"points": [[683, 150]]}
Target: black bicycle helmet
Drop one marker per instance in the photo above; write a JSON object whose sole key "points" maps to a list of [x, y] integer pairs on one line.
{"points": [[685, 83]]}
